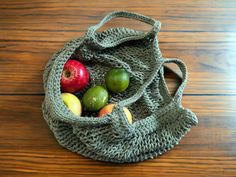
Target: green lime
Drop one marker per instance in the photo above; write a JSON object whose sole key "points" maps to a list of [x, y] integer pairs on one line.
{"points": [[95, 98], [117, 80]]}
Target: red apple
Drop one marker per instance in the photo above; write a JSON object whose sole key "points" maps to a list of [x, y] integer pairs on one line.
{"points": [[74, 76]]}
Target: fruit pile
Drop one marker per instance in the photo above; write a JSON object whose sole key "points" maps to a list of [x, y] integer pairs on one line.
{"points": [[75, 78]]}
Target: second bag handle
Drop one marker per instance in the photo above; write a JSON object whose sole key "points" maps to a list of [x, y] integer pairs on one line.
{"points": [[91, 33], [179, 92]]}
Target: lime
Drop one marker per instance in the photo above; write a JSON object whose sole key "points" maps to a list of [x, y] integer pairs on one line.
{"points": [[117, 80], [95, 98]]}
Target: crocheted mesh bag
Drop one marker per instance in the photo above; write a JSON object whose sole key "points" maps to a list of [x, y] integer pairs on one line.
{"points": [[159, 120]]}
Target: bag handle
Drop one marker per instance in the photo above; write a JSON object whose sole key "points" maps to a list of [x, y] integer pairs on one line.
{"points": [[91, 33], [121, 127], [179, 92]]}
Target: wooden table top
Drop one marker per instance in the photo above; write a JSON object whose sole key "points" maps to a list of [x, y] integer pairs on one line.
{"points": [[202, 33]]}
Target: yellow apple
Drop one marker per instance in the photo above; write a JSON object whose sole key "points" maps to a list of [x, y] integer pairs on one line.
{"points": [[72, 103], [108, 109]]}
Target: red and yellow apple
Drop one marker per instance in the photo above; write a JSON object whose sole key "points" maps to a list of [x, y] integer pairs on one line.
{"points": [[108, 109], [72, 103], [74, 76]]}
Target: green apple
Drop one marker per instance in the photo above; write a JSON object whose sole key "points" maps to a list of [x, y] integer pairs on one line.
{"points": [[72, 103]]}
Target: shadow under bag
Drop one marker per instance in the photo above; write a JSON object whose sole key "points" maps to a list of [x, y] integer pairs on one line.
{"points": [[159, 120]]}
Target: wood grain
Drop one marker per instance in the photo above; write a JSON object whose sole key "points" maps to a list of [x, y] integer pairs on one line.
{"points": [[211, 67], [57, 15], [27, 147], [34, 31], [202, 33]]}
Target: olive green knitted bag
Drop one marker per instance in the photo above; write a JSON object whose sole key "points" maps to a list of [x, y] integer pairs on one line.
{"points": [[159, 120]]}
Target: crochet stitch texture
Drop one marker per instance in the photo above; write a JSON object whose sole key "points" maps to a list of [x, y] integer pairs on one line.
{"points": [[159, 119]]}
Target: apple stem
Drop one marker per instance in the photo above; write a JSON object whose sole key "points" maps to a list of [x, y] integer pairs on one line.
{"points": [[67, 73]]}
